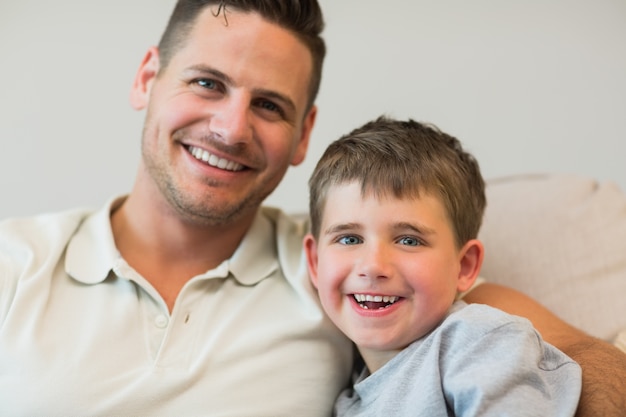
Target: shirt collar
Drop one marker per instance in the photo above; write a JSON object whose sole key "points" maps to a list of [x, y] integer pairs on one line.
{"points": [[256, 257], [91, 253]]}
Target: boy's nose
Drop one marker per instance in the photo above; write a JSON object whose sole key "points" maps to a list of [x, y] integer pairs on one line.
{"points": [[376, 263]]}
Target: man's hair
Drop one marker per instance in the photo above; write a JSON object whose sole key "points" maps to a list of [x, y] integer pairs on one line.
{"points": [[303, 18], [403, 159]]}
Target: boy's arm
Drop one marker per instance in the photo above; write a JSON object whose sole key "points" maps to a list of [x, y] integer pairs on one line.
{"points": [[604, 366]]}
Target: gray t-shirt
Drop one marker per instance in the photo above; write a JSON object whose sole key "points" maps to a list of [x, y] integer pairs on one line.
{"points": [[479, 361]]}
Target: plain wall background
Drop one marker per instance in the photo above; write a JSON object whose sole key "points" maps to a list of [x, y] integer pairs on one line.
{"points": [[528, 86]]}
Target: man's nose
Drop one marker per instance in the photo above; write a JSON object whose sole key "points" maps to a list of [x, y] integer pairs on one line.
{"points": [[231, 120]]}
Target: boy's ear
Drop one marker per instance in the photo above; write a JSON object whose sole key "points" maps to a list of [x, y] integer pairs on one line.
{"points": [[310, 250], [470, 260], [147, 72]]}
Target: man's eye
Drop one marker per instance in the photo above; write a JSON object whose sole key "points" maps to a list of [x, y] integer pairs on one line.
{"points": [[268, 105], [208, 84], [349, 240], [409, 241]]}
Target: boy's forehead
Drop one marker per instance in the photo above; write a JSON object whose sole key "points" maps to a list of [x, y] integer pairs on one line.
{"points": [[347, 203], [340, 197], [372, 190]]}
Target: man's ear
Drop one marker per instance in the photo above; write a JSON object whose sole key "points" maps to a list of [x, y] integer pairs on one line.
{"points": [[305, 135], [310, 250], [470, 260], [147, 72]]}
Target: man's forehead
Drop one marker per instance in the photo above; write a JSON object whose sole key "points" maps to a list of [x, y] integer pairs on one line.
{"points": [[243, 44], [235, 22]]}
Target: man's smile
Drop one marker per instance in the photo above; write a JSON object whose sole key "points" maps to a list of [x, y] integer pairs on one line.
{"points": [[214, 161]]}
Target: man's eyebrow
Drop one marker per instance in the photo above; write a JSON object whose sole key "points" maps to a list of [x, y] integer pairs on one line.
{"points": [[274, 95], [270, 94], [206, 70]]}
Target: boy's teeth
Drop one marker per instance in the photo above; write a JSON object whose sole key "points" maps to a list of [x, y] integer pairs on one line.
{"points": [[213, 160], [366, 300], [376, 298]]}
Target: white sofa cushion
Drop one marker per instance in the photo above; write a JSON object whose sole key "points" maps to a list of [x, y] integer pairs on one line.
{"points": [[562, 240]]}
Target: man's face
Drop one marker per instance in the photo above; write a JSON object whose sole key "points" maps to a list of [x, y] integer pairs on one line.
{"points": [[226, 117]]}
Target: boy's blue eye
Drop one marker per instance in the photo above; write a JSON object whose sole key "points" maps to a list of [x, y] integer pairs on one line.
{"points": [[349, 240], [409, 241]]}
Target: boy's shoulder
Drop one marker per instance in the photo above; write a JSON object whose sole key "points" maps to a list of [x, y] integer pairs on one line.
{"points": [[481, 319]]}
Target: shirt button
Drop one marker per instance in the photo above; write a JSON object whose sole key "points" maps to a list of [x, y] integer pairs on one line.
{"points": [[161, 321]]}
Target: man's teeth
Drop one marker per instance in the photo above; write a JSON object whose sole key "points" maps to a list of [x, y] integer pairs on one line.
{"points": [[213, 160], [368, 301]]}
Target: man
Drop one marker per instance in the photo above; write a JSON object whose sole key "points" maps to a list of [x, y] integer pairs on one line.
{"points": [[185, 298], [182, 299]]}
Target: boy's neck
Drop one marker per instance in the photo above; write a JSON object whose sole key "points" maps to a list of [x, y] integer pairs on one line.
{"points": [[375, 359]]}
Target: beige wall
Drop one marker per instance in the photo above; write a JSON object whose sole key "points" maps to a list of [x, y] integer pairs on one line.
{"points": [[533, 86]]}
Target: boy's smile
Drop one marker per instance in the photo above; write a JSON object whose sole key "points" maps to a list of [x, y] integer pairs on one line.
{"points": [[375, 302]]}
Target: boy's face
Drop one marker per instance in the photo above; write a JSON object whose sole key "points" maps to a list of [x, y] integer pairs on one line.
{"points": [[387, 269]]}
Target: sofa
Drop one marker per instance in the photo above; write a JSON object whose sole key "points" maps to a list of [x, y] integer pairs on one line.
{"points": [[561, 239]]}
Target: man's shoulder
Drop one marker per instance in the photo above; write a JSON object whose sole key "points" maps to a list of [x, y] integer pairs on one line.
{"points": [[18, 233], [289, 222], [289, 231], [47, 221]]}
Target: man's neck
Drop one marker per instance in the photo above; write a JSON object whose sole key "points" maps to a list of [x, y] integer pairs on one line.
{"points": [[166, 249]]}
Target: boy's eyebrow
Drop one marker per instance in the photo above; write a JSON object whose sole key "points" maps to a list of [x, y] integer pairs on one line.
{"points": [[341, 227], [215, 73], [417, 228], [399, 226]]}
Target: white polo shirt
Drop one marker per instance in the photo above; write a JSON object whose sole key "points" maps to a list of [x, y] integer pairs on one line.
{"points": [[81, 333]]}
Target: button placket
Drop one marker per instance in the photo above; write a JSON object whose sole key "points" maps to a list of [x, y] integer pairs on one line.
{"points": [[161, 321]]}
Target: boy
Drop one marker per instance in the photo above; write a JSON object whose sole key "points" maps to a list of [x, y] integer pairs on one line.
{"points": [[395, 211]]}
